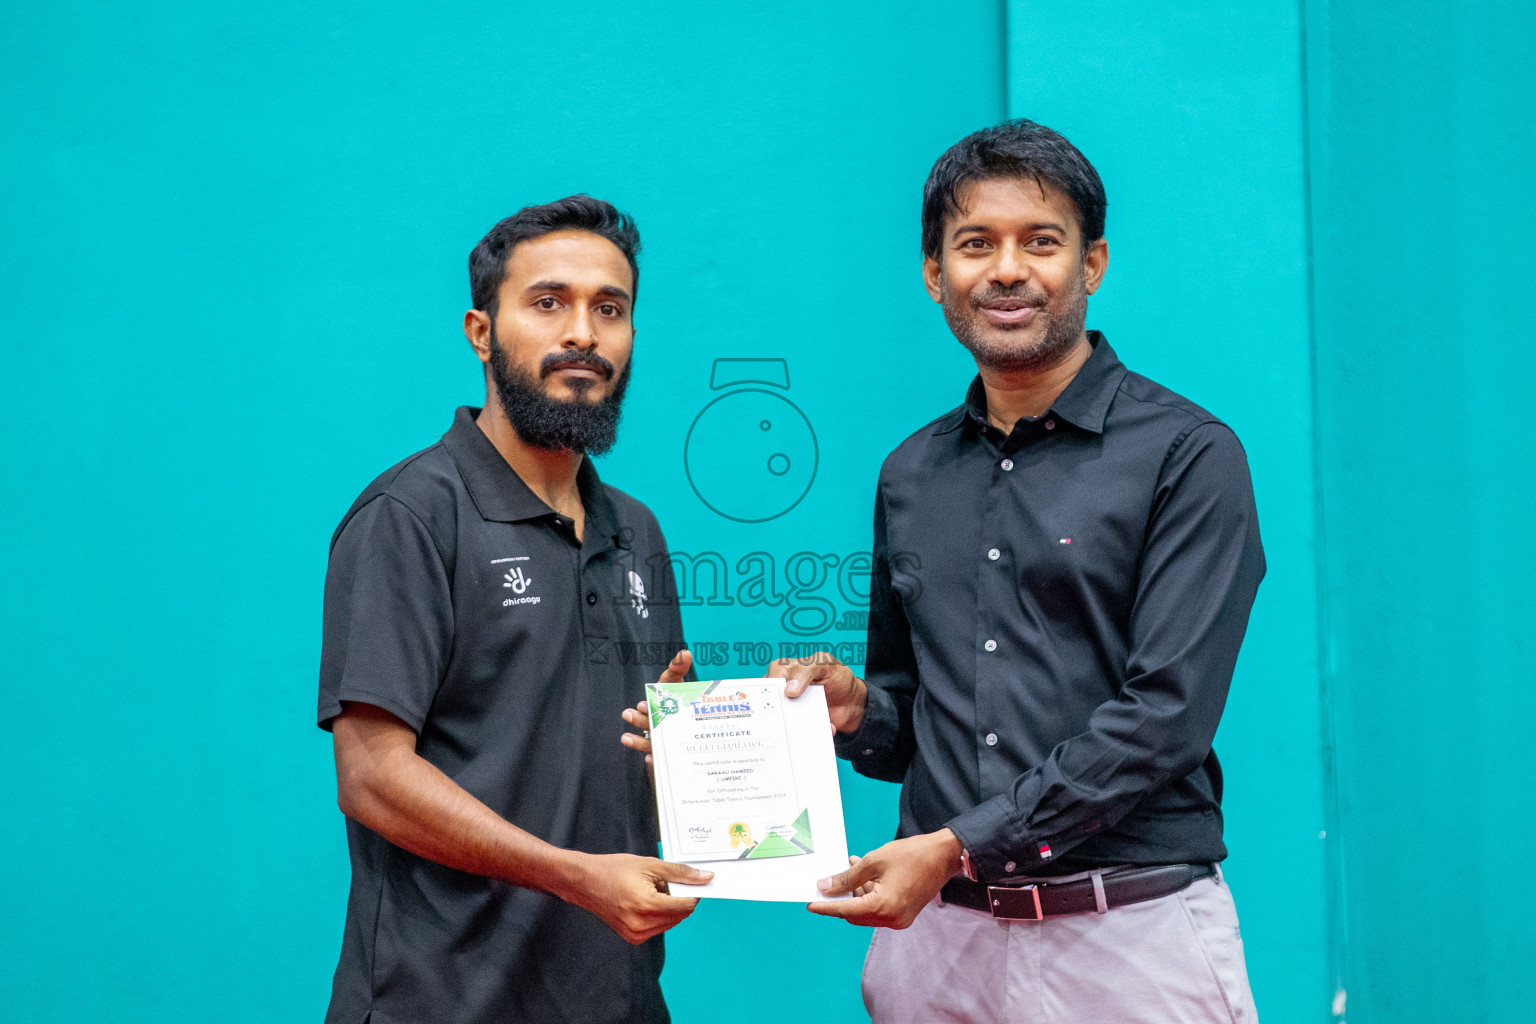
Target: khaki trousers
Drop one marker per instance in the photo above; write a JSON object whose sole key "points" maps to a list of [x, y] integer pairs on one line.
{"points": [[1174, 960]]}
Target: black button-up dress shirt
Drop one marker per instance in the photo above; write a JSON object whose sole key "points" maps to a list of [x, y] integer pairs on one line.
{"points": [[1055, 616]]}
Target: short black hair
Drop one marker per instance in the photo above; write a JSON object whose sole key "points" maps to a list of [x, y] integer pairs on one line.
{"points": [[1013, 149], [488, 259]]}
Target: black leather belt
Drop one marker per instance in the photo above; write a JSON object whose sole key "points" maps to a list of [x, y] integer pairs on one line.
{"points": [[1050, 899]]}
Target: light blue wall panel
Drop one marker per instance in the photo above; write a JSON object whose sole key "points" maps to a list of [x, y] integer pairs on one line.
{"points": [[1421, 152]]}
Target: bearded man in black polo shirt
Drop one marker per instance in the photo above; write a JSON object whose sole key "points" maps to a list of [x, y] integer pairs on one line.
{"points": [[1065, 565], [477, 601]]}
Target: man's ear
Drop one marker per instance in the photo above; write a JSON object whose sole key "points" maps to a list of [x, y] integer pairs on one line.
{"points": [[932, 271], [1095, 262], [477, 328]]}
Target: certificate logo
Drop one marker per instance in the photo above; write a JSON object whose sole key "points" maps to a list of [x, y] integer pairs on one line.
{"points": [[712, 706], [741, 834], [669, 705], [750, 454]]}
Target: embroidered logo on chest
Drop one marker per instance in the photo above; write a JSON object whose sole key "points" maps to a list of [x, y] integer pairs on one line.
{"points": [[637, 595], [514, 577]]}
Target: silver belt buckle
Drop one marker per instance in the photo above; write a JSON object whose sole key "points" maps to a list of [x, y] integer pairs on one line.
{"points": [[1002, 900]]}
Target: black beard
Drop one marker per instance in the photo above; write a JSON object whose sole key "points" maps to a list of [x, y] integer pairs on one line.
{"points": [[553, 423], [1062, 330]]}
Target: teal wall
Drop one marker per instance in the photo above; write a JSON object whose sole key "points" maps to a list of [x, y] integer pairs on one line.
{"points": [[1192, 114], [232, 273], [1421, 146]]}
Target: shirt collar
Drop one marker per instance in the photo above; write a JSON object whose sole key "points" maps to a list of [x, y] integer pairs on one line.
{"points": [[501, 495], [602, 517], [1084, 403]]}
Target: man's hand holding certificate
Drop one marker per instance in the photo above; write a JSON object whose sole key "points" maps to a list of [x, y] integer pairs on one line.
{"points": [[746, 783], [746, 786], [891, 884]]}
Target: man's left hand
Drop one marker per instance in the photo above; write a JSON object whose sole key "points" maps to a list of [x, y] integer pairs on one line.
{"points": [[890, 885], [639, 716]]}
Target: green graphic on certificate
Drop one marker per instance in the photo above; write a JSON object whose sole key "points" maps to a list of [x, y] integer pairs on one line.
{"points": [[725, 767]]}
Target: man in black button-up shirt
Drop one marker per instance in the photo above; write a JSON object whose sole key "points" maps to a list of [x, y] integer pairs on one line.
{"points": [[1065, 565]]}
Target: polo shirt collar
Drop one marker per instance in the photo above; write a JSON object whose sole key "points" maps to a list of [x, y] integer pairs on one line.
{"points": [[500, 495], [602, 517], [1084, 404]]}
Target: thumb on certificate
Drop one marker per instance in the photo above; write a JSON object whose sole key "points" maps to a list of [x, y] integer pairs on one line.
{"points": [[797, 673], [682, 661], [683, 874], [860, 870]]}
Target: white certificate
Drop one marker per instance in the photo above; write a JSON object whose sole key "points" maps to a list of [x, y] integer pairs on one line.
{"points": [[746, 787]]}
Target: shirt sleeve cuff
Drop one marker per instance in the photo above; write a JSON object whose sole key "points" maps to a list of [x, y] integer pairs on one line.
{"points": [[998, 850], [877, 733], [330, 707]]}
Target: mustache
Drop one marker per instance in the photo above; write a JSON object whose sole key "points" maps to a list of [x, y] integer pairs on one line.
{"points": [[575, 358], [1020, 292]]}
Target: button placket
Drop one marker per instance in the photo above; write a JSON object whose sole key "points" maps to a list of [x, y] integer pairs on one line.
{"points": [[594, 603], [990, 598]]}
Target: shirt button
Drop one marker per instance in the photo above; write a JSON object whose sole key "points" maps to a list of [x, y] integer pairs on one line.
{"points": [[591, 598], [994, 554], [868, 751], [990, 645], [991, 739], [1009, 867], [1050, 424], [1007, 465]]}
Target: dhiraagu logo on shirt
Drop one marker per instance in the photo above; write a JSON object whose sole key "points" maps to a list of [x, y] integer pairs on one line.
{"points": [[514, 577]]}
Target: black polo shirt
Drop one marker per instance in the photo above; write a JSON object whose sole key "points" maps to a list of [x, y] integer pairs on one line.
{"points": [[1054, 621], [460, 602]]}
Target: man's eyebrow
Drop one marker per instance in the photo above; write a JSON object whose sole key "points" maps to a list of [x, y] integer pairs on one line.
{"points": [[560, 286], [1045, 225]]}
